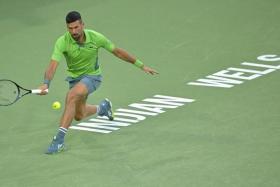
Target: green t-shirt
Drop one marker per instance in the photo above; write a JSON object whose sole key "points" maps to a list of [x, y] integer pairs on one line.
{"points": [[82, 59]]}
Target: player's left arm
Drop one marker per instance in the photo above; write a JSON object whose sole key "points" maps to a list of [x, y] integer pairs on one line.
{"points": [[124, 55]]}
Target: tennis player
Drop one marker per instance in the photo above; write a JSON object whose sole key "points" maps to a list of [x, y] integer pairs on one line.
{"points": [[80, 47]]}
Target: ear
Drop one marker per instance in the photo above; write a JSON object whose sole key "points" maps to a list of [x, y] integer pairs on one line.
{"points": [[82, 25]]}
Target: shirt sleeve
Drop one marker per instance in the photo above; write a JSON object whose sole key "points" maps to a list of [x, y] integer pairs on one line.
{"points": [[58, 50], [106, 43]]}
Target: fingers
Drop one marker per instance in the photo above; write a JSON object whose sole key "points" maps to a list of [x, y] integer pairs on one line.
{"points": [[154, 72], [44, 88], [150, 71], [43, 92]]}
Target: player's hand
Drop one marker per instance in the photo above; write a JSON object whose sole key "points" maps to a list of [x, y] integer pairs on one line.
{"points": [[149, 70], [43, 87]]}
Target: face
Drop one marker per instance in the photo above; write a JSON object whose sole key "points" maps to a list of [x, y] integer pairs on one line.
{"points": [[76, 29]]}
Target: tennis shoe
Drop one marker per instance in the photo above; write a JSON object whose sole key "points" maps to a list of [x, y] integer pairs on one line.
{"points": [[56, 146], [106, 109]]}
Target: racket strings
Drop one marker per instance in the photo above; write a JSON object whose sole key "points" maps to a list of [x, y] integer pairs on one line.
{"points": [[9, 92]]}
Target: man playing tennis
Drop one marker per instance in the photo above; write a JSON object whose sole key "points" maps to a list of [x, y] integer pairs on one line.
{"points": [[80, 47]]}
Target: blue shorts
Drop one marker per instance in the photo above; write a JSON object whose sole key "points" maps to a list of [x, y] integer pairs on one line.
{"points": [[92, 82]]}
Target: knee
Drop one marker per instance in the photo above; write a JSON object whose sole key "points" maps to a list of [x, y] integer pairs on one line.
{"points": [[78, 117]]}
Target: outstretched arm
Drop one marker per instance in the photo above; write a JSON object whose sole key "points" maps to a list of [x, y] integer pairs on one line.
{"points": [[124, 55], [49, 74]]}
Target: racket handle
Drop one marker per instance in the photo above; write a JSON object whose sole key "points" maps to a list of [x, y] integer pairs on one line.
{"points": [[37, 91]]}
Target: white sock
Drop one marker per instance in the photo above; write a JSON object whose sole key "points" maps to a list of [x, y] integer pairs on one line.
{"points": [[97, 109]]}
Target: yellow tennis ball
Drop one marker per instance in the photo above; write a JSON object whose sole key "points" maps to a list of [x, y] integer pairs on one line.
{"points": [[56, 105]]}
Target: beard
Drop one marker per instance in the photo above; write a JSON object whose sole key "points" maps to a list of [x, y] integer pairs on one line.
{"points": [[76, 36]]}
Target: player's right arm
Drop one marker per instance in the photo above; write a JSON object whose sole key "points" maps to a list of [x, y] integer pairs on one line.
{"points": [[50, 71], [49, 74]]}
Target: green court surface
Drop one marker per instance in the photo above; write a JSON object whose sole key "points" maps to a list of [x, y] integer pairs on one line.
{"points": [[226, 137]]}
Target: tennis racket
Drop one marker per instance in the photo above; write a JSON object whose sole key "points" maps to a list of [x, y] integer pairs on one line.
{"points": [[10, 92]]}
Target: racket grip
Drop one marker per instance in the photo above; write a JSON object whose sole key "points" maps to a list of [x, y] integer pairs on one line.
{"points": [[37, 91]]}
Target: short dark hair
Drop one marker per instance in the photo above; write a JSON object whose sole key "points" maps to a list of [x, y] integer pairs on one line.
{"points": [[73, 16]]}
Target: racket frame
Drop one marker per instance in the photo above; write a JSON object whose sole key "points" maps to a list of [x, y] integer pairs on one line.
{"points": [[20, 89]]}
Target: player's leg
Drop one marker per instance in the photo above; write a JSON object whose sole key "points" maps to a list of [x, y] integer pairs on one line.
{"points": [[74, 103], [76, 95], [84, 110], [90, 110], [76, 107], [86, 86]]}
